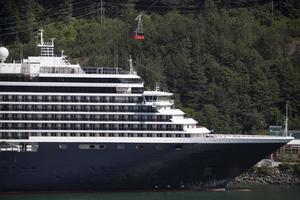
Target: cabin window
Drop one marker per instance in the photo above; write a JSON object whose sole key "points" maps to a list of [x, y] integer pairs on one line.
{"points": [[84, 146], [130, 135], [92, 146], [159, 147], [178, 147], [121, 146], [62, 146], [139, 146]]}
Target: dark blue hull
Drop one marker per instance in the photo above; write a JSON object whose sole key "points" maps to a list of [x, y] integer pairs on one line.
{"points": [[135, 167]]}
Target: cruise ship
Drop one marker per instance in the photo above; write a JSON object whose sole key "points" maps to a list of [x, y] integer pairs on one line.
{"points": [[66, 127]]}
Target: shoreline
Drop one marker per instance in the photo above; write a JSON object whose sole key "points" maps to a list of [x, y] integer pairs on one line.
{"points": [[267, 176]]}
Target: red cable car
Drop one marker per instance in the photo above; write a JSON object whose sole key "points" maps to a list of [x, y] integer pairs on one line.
{"points": [[138, 33]]}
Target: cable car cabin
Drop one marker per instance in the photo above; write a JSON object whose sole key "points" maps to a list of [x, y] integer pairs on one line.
{"points": [[137, 33], [138, 36]]}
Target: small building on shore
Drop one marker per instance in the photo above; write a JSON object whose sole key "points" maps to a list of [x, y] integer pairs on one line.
{"points": [[293, 147]]}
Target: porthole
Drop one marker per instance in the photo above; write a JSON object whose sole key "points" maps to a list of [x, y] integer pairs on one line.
{"points": [[92, 146], [84, 146], [102, 146], [159, 147], [62, 146], [121, 146], [139, 146], [178, 147]]}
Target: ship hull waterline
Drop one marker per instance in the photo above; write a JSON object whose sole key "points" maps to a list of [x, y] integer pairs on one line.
{"points": [[193, 166]]}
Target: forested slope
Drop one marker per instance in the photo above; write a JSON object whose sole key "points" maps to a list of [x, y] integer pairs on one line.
{"points": [[232, 65]]}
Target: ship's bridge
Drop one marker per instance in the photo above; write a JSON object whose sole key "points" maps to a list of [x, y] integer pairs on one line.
{"points": [[158, 98], [39, 64]]}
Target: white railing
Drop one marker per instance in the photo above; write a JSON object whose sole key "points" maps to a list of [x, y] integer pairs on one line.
{"points": [[61, 70], [240, 136]]}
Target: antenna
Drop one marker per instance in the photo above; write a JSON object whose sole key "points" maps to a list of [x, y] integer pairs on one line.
{"points": [[52, 41], [130, 64], [21, 53], [286, 119], [116, 56], [102, 12], [272, 10], [41, 36], [157, 89]]}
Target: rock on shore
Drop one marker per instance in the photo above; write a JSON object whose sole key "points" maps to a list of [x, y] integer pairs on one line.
{"points": [[272, 176]]}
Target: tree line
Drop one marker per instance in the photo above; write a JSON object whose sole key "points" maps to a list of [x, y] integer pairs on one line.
{"points": [[232, 68]]}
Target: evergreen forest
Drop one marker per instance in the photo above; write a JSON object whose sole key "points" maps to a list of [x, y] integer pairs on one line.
{"points": [[232, 65]]}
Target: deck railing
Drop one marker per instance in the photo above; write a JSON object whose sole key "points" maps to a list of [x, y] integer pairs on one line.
{"points": [[240, 136]]}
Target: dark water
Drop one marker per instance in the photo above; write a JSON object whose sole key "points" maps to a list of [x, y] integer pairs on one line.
{"points": [[251, 193]]}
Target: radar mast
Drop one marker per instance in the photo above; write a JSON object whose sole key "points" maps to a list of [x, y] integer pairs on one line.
{"points": [[47, 48]]}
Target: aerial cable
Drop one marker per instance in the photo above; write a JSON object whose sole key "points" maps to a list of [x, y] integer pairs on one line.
{"points": [[40, 17], [81, 14], [59, 8]]}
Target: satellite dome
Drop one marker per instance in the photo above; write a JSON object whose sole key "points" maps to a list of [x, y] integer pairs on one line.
{"points": [[3, 54]]}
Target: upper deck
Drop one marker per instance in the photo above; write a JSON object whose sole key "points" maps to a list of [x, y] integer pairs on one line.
{"points": [[57, 68]]}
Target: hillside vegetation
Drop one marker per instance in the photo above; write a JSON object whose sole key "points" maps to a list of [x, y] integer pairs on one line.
{"points": [[231, 66]]}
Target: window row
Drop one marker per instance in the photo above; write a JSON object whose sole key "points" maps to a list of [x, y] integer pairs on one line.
{"points": [[64, 89], [85, 117], [20, 135], [87, 80], [19, 147], [95, 99], [77, 108], [78, 126], [176, 147]]}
